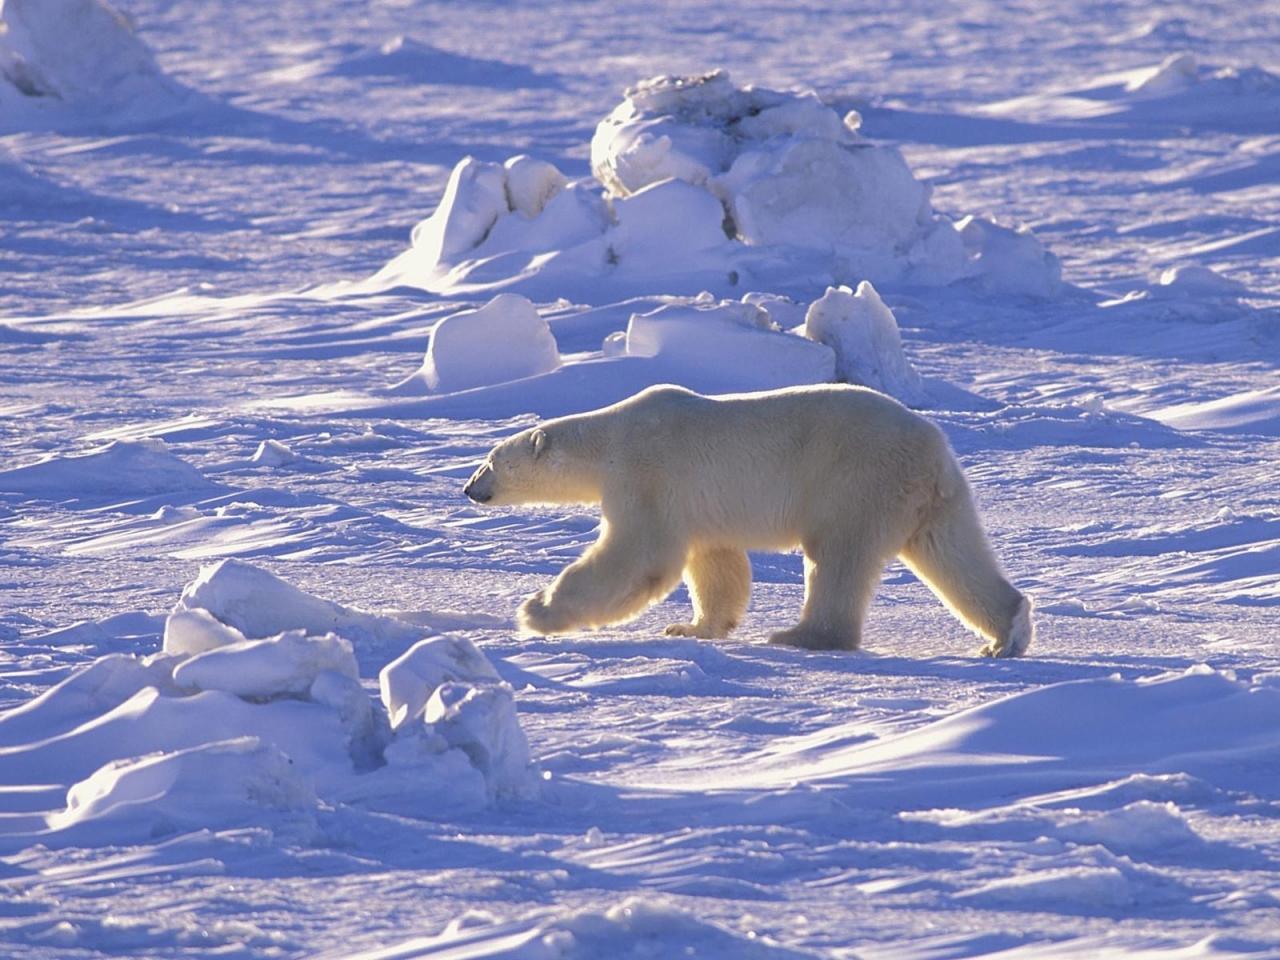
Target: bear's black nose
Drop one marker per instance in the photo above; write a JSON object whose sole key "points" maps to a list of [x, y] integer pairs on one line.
{"points": [[476, 495]]}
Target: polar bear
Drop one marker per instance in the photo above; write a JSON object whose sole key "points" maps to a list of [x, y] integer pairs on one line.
{"points": [[687, 484]]}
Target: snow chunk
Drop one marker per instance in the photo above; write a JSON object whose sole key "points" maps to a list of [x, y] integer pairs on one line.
{"points": [[407, 682], [481, 721], [1138, 827], [702, 340], [531, 184], [643, 237], [1008, 259], [273, 453], [444, 694], [207, 786], [128, 468], [810, 192], [258, 669], [863, 332], [260, 604], [504, 340], [193, 631], [1193, 280], [785, 167], [1175, 74], [61, 58], [474, 198], [1084, 886]]}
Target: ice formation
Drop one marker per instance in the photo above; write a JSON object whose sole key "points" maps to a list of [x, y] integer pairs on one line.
{"points": [[63, 59], [503, 340], [219, 729], [704, 185], [863, 332]]}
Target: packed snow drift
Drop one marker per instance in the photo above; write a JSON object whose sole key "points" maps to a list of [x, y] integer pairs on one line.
{"points": [[700, 184], [76, 61]]}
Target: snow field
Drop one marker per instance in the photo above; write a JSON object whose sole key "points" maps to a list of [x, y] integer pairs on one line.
{"points": [[294, 776]]}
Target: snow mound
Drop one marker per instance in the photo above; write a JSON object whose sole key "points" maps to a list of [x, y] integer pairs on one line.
{"points": [[273, 453], [1137, 827], [443, 692], [728, 340], [122, 468], [220, 730], [288, 665], [504, 340], [259, 604], [76, 59], [1253, 411], [1097, 887], [705, 185], [633, 929], [783, 165], [1175, 73], [863, 332], [211, 784], [1193, 280], [407, 682], [1009, 260], [1201, 723]]}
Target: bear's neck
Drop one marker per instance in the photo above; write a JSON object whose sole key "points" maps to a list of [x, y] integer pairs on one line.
{"points": [[582, 445]]}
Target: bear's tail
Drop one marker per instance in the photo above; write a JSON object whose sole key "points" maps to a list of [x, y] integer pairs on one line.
{"points": [[951, 554]]}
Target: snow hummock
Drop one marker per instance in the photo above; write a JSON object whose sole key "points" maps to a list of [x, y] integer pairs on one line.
{"points": [[704, 341], [236, 780], [407, 682], [219, 729], [136, 468], [76, 59], [503, 340], [285, 664], [700, 184], [864, 334], [259, 604], [273, 453], [632, 929], [1174, 74]]}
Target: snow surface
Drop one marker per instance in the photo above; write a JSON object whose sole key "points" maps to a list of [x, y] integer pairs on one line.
{"points": [[261, 692]]}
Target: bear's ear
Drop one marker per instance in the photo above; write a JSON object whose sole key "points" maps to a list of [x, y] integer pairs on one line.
{"points": [[539, 441]]}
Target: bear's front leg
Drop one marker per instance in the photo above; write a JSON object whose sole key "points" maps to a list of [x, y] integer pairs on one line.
{"points": [[536, 616], [621, 574]]}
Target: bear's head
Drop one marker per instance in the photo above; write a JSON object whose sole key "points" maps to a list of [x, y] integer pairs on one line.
{"points": [[530, 467]]}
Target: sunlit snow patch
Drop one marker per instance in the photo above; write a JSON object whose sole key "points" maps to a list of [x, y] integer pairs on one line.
{"points": [[701, 185], [76, 60]]}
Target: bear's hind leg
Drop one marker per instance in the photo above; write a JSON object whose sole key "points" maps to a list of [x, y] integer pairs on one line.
{"points": [[719, 580], [840, 579], [620, 574], [952, 555]]}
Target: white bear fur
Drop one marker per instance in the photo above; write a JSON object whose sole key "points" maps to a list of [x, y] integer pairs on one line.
{"points": [[687, 484]]}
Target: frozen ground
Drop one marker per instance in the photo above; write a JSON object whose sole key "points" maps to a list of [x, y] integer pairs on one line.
{"points": [[287, 771]]}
